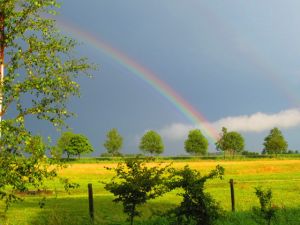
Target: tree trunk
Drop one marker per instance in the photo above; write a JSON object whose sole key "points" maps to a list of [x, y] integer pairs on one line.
{"points": [[132, 215], [131, 219], [2, 48]]}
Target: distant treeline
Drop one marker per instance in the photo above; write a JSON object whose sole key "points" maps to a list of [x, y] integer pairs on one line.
{"points": [[181, 158]]}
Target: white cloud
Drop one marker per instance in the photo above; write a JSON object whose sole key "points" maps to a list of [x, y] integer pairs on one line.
{"points": [[176, 131], [246, 123], [260, 121]]}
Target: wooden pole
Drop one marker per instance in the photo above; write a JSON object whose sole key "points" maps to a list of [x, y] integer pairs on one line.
{"points": [[91, 201], [232, 195]]}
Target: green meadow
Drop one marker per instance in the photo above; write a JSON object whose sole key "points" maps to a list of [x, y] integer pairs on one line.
{"points": [[283, 176]]}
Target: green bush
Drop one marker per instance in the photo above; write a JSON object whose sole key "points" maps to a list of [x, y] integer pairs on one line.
{"points": [[267, 210], [197, 207], [135, 183]]}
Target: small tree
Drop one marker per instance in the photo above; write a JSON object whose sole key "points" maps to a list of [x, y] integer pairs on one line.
{"points": [[79, 144], [197, 206], [196, 143], [62, 143], [152, 143], [267, 210], [232, 142], [114, 142], [275, 143], [135, 183]]}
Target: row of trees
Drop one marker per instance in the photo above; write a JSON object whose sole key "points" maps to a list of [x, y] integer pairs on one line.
{"points": [[196, 143], [230, 142]]}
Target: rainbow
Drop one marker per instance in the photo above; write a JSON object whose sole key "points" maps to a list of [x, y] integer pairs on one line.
{"points": [[250, 52], [147, 76]]}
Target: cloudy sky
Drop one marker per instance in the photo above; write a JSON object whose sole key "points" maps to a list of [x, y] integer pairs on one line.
{"points": [[235, 63]]}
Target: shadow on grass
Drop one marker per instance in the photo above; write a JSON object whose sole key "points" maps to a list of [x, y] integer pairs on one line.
{"points": [[73, 210], [284, 216]]}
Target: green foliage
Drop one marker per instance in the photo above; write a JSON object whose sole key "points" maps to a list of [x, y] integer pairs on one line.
{"points": [[197, 206], [267, 210], [135, 183], [196, 143], [35, 145], [275, 143], [72, 145], [113, 143], [23, 162], [248, 153], [156, 220], [79, 144], [38, 81], [232, 142], [62, 143], [152, 143]]}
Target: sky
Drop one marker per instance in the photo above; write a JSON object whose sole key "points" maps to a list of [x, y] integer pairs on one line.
{"points": [[172, 66]]}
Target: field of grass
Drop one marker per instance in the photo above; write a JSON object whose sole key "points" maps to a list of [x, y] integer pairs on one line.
{"points": [[283, 176]]}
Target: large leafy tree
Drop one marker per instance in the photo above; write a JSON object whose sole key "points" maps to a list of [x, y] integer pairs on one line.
{"points": [[196, 143], [231, 142], [275, 142], [63, 142], [79, 144], [152, 143], [114, 142], [37, 79]]}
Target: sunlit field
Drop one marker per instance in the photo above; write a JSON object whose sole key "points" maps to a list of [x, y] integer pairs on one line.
{"points": [[283, 176]]}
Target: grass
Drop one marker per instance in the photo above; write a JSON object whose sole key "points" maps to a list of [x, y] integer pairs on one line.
{"points": [[283, 176]]}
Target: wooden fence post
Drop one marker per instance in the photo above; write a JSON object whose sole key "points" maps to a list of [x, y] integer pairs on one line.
{"points": [[232, 195], [91, 201]]}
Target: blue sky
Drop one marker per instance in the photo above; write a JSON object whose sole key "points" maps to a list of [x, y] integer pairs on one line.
{"points": [[236, 62]]}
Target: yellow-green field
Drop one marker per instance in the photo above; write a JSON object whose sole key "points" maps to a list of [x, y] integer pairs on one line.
{"points": [[283, 176]]}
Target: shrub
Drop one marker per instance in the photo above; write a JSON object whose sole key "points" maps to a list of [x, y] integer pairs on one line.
{"points": [[135, 183], [267, 210], [197, 206]]}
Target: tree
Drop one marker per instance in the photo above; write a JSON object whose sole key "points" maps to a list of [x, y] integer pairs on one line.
{"points": [[79, 144], [36, 146], [152, 143], [39, 79], [197, 206], [196, 143], [275, 143], [232, 142], [63, 142], [114, 142], [267, 210], [135, 183]]}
